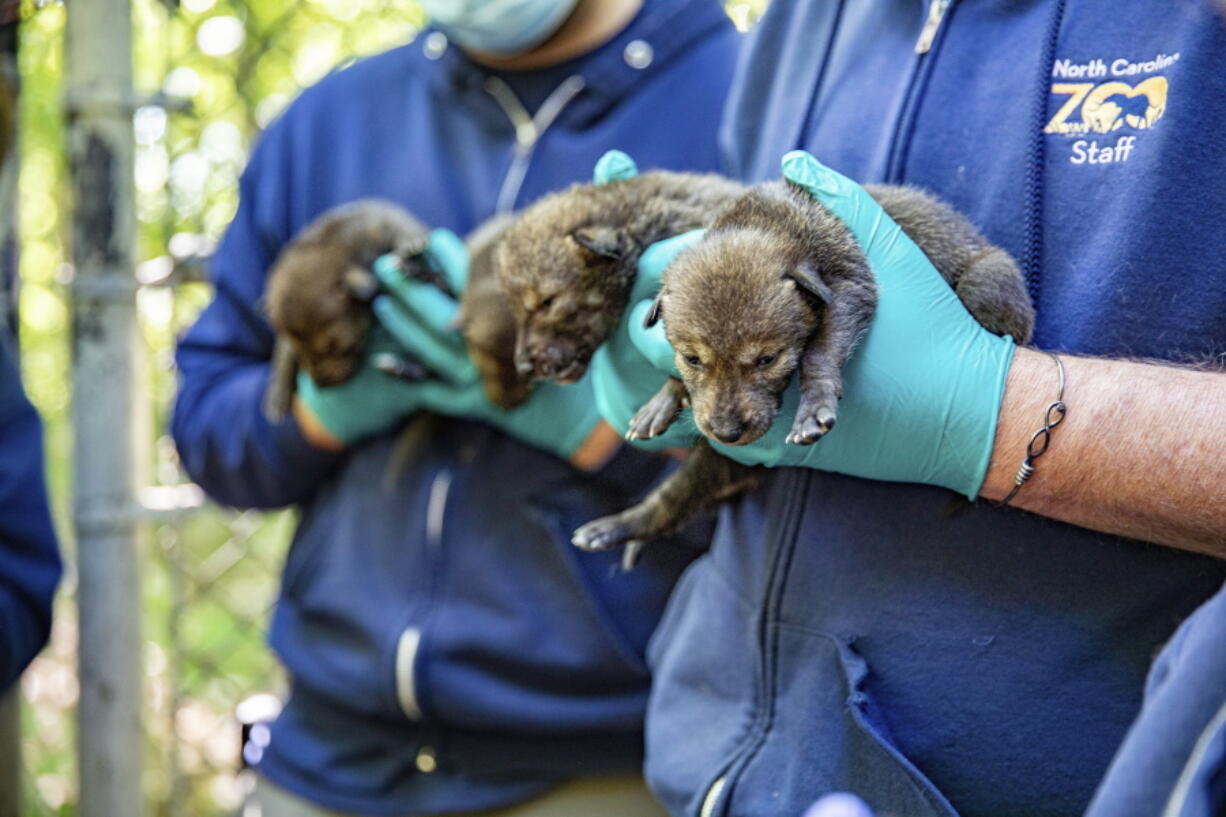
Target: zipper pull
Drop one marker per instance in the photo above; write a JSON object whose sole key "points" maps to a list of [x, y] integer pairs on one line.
{"points": [[712, 798], [526, 132], [936, 13]]}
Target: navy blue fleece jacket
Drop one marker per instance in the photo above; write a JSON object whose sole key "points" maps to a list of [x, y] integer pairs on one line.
{"points": [[442, 613], [844, 634], [29, 558]]}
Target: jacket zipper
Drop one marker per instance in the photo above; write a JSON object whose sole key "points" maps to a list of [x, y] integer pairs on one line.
{"points": [[713, 793], [936, 13], [528, 129], [406, 686], [409, 644], [784, 540], [790, 513]]}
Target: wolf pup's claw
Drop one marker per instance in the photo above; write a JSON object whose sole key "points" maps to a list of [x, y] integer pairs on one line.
{"points": [[812, 427], [410, 371], [654, 418], [632, 553]]}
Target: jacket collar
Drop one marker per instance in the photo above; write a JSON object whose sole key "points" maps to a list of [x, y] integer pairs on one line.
{"points": [[661, 32]]}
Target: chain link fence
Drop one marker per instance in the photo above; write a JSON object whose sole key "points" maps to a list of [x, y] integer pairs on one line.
{"points": [[209, 75]]}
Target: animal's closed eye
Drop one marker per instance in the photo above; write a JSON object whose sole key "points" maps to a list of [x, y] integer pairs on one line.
{"points": [[765, 361], [546, 303], [693, 360]]}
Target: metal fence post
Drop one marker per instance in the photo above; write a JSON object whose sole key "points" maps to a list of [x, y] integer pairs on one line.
{"points": [[100, 103]]}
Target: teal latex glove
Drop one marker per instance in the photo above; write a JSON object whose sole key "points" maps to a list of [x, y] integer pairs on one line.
{"points": [[632, 365], [921, 393], [417, 319]]}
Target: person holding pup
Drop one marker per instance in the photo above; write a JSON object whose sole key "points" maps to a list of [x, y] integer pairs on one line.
{"points": [[448, 650], [846, 632]]}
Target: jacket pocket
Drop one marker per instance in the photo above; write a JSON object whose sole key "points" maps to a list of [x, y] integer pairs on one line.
{"points": [[703, 688], [357, 569], [594, 573], [674, 612], [824, 735]]}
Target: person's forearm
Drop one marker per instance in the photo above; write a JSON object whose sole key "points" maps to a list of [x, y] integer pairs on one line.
{"points": [[597, 449], [228, 446], [1141, 452], [592, 455], [313, 430]]}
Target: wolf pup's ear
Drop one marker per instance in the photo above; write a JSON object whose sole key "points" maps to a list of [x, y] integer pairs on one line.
{"points": [[657, 310], [601, 241], [808, 279]]}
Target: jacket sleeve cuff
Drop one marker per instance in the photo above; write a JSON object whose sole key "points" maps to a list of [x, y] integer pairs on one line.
{"points": [[308, 462]]}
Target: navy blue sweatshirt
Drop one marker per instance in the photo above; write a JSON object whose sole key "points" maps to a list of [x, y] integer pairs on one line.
{"points": [[29, 558], [448, 648], [1173, 761], [844, 634]]}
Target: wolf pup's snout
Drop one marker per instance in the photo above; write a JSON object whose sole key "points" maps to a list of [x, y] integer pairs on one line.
{"points": [[563, 363], [735, 412], [727, 430], [547, 358]]}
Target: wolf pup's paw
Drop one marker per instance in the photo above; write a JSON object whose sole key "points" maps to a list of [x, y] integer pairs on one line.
{"points": [[654, 418], [810, 426], [609, 531]]}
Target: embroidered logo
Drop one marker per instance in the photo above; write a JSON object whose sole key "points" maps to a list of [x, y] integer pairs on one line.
{"points": [[1090, 109]]}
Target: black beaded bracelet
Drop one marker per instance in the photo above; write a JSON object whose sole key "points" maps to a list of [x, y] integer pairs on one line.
{"points": [[1041, 439]]}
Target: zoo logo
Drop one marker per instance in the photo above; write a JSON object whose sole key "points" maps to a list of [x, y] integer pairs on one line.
{"points": [[1109, 106]]}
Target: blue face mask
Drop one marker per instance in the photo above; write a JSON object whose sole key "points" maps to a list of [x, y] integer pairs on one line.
{"points": [[498, 26]]}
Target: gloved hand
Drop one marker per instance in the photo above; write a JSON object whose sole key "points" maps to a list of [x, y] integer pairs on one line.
{"points": [[632, 365], [417, 319], [921, 392]]}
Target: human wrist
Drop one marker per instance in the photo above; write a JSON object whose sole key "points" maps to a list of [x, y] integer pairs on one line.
{"points": [[599, 447], [313, 430], [1030, 387]]}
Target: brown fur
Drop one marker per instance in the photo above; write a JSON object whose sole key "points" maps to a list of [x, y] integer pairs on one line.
{"points": [[487, 322], [801, 298], [779, 285], [320, 288], [568, 263]]}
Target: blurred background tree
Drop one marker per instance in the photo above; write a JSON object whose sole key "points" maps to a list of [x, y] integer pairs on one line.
{"points": [[215, 72]]}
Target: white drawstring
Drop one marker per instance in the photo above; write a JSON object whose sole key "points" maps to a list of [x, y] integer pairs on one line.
{"points": [[528, 129]]}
